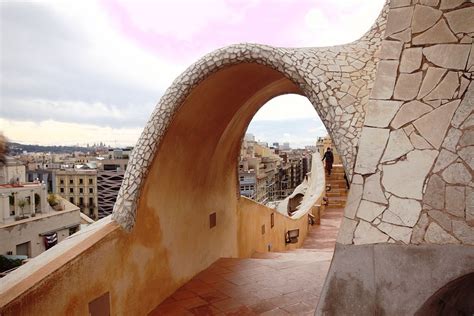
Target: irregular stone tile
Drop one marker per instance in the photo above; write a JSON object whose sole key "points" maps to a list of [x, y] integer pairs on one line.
{"points": [[445, 158], [380, 112], [469, 122], [434, 195], [398, 20], [357, 179], [399, 3], [419, 142], [436, 235], [452, 139], [353, 200], [450, 4], [346, 232], [347, 100], [398, 145], [419, 229], [403, 36], [433, 126], [467, 154], [424, 17], [456, 174], [448, 55], [431, 3], [385, 79], [369, 211], [371, 145], [399, 233], [405, 178], [408, 112], [463, 232], [469, 204], [390, 50], [463, 87], [439, 33], [446, 89], [467, 139], [465, 108], [407, 86], [403, 212], [373, 190], [461, 21], [411, 60], [441, 218], [455, 200], [470, 62], [368, 234], [432, 77]]}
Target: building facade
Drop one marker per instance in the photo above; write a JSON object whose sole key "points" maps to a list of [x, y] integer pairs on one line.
{"points": [[28, 223], [79, 187]]}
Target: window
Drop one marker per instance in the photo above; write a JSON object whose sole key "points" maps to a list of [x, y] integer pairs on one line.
{"points": [[61, 181], [91, 190], [72, 230], [91, 181], [81, 190], [71, 190], [23, 249], [71, 181], [81, 181], [71, 199], [61, 190], [241, 178], [81, 201]]}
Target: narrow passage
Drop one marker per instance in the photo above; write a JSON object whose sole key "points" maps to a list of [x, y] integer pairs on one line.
{"points": [[276, 283]]}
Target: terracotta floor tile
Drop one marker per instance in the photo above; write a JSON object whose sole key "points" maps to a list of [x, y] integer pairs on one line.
{"points": [[270, 284], [275, 312], [262, 307], [228, 304], [191, 302], [298, 308], [182, 294], [214, 296], [241, 311], [205, 310]]}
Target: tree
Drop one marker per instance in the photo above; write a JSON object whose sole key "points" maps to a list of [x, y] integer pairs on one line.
{"points": [[22, 203]]}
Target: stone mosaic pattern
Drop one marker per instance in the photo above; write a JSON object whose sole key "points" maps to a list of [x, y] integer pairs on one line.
{"points": [[413, 176], [337, 80], [406, 136]]}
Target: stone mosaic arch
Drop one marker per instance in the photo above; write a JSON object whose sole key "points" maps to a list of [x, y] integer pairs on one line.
{"points": [[337, 81]]}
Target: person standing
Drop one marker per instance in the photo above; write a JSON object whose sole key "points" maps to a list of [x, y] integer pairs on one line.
{"points": [[329, 157]]}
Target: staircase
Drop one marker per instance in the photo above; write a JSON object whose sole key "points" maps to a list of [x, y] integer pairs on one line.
{"points": [[336, 189], [274, 283]]}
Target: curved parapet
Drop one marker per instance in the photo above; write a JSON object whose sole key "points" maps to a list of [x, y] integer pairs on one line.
{"points": [[398, 104]]}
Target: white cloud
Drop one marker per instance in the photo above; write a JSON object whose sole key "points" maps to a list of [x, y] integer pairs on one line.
{"points": [[59, 133], [286, 107]]}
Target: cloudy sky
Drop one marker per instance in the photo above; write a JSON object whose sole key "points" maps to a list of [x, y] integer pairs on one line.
{"points": [[77, 72]]}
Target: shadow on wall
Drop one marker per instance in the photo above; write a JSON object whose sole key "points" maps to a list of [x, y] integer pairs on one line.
{"points": [[455, 298]]}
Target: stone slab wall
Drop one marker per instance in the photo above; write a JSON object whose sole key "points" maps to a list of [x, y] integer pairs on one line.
{"points": [[413, 177]]}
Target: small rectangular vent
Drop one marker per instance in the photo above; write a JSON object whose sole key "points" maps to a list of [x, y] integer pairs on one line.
{"points": [[212, 220]]}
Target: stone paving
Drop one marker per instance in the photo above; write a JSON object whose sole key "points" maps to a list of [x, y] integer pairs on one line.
{"points": [[286, 283]]}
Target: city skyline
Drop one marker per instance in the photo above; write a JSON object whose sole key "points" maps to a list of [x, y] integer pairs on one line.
{"points": [[62, 83]]}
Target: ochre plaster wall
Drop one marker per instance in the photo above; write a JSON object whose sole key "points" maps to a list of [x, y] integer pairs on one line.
{"points": [[253, 215], [193, 175]]}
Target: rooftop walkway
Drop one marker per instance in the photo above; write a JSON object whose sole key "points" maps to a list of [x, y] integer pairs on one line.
{"points": [[283, 283]]}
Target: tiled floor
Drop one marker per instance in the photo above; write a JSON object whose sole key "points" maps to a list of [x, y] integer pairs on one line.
{"points": [[286, 283]]}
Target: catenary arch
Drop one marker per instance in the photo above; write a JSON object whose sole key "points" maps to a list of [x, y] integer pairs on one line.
{"points": [[224, 80], [222, 86]]}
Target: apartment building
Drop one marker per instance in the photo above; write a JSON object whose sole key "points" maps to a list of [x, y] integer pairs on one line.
{"points": [[79, 187]]}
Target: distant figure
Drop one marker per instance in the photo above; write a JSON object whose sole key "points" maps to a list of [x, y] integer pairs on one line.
{"points": [[329, 157]]}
